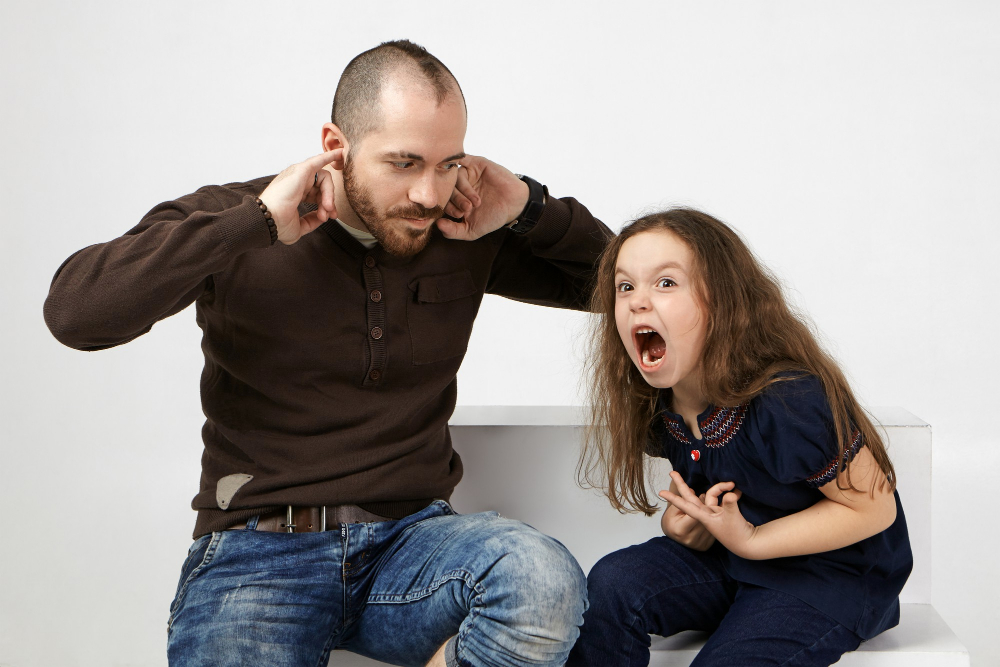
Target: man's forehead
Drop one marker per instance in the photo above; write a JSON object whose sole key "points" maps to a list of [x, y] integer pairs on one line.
{"points": [[416, 126]]}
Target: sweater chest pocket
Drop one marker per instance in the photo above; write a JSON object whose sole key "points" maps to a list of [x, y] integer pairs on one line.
{"points": [[440, 313]]}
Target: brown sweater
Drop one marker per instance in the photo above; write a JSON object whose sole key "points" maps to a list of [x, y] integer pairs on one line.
{"points": [[329, 370]]}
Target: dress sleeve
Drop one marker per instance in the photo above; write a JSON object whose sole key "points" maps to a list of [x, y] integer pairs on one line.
{"points": [[795, 436]]}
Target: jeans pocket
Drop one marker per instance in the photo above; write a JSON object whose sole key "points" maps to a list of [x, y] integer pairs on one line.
{"points": [[199, 556]]}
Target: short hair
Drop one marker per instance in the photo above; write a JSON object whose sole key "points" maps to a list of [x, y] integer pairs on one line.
{"points": [[357, 108]]}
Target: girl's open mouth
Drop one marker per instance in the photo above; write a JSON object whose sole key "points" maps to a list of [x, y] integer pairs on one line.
{"points": [[651, 347]]}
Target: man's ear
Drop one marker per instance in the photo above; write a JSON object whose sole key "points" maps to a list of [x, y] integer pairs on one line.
{"points": [[333, 139]]}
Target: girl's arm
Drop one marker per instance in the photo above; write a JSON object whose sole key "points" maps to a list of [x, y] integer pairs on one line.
{"points": [[843, 517]]}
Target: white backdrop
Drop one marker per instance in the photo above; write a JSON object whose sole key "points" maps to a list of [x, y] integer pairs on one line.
{"points": [[855, 144]]}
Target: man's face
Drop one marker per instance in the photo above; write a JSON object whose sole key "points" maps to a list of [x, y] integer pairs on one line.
{"points": [[399, 178]]}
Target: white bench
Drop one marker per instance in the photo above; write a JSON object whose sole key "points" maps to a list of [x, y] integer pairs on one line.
{"points": [[520, 461]]}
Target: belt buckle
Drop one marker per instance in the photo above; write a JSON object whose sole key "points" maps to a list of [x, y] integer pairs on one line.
{"points": [[290, 527]]}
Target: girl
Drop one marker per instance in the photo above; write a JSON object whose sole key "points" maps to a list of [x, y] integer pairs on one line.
{"points": [[784, 536]]}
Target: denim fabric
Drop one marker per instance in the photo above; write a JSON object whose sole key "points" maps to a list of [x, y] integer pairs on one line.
{"points": [[394, 591], [663, 588]]}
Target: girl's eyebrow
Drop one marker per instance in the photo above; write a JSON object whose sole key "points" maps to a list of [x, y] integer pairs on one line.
{"points": [[666, 265], [670, 265]]}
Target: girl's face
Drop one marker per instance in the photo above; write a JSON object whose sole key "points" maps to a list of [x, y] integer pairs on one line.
{"points": [[659, 315]]}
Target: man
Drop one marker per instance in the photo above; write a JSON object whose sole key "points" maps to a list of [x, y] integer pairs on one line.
{"points": [[336, 304]]}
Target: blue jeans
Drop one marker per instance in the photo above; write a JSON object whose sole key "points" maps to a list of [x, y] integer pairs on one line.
{"points": [[393, 590], [662, 588]]}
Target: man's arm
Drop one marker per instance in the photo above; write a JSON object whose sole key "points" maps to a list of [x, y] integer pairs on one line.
{"points": [[110, 293], [553, 263]]}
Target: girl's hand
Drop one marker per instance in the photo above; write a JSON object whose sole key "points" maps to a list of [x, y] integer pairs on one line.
{"points": [[682, 529], [722, 520]]}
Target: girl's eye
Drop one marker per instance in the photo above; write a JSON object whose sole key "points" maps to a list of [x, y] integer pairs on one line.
{"points": [[665, 282], [624, 287]]}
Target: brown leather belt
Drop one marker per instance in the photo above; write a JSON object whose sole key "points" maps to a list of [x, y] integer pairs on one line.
{"points": [[311, 519]]}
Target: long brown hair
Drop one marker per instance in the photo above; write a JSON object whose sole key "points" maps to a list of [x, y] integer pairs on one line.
{"points": [[753, 339]]}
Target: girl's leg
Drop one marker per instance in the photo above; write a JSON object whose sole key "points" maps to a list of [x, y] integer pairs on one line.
{"points": [[659, 587], [765, 627]]}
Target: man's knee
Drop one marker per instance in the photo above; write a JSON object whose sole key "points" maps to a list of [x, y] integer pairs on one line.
{"points": [[530, 599], [536, 568]]}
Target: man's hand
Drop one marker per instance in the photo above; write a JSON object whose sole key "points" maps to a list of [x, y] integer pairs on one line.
{"points": [[723, 520], [305, 182], [486, 195], [683, 529]]}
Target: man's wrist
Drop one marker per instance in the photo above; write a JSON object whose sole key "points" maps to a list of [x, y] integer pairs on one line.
{"points": [[272, 228], [532, 211]]}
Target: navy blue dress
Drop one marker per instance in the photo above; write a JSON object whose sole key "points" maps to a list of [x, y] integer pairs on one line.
{"points": [[779, 448]]}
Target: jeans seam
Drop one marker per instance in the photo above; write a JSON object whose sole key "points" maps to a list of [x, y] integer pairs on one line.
{"points": [[210, 550], [636, 616], [466, 627], [411, 596], [811, 646]]}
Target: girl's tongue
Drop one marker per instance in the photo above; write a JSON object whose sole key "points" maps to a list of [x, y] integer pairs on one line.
{"points": [[653, 348]]}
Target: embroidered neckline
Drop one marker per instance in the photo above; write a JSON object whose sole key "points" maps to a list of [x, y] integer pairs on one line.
{"points": [[717, 427]]}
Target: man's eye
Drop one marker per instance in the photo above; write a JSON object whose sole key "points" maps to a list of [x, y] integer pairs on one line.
{"points": [[624, 287], [665, 282], [452, 165], [402, 165]]}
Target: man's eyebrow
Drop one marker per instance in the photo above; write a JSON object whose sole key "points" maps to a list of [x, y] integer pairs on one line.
{"points": [[406, 155]]}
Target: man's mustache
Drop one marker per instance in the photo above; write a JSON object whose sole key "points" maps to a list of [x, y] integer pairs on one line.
{"points": [[416, 212]]}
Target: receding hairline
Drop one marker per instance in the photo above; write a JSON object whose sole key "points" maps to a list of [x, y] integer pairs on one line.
{"points": [[357, 103], [410, 80]]}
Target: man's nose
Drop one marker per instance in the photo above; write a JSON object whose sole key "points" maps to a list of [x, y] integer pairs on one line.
{"points": [[423, 191]]}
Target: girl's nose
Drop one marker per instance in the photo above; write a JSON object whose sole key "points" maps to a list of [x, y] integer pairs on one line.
{"points": [[639, 301]]}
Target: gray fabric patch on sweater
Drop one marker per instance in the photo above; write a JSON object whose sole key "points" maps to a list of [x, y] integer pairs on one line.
{"points": [[228, 486]]}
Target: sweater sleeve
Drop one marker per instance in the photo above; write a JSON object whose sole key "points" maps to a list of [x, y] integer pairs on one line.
{"points": [[110, 293], [554, 263]]}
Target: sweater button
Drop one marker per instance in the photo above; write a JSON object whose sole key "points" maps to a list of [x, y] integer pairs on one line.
{"points": [[370, 262], [376, 333], [376, 295], [695, 455], [374, 374]]}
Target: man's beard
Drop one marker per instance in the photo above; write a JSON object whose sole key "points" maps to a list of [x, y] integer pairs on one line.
{"points": [[397, 239]]}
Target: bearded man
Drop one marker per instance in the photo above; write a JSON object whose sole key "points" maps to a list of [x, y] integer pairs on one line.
{"points": [[337, 300]]}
